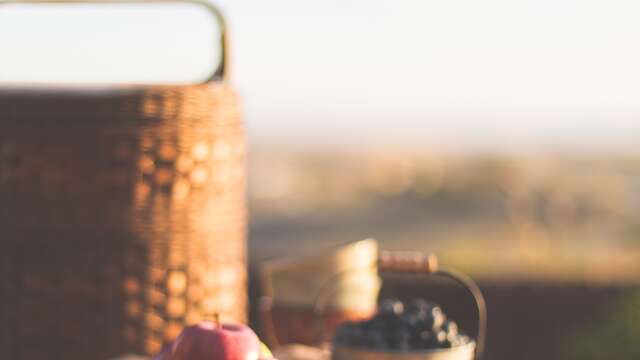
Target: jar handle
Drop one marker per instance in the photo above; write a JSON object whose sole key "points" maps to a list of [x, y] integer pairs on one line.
{"points": [[221, 73]]}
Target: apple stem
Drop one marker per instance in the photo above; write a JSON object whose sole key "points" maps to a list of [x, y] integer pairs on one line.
{"points": [[216, 319]]}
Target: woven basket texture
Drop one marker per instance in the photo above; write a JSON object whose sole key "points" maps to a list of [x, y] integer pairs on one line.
{"points": [[122, 218]]}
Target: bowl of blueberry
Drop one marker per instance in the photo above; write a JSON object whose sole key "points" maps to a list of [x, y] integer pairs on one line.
{"points": [[411, 330]]}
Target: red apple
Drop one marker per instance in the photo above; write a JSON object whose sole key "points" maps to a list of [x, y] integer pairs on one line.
{"points": [[210, 340]]}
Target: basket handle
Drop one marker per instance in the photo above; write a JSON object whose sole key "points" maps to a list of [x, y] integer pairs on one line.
{"points": [[221, 73], [416, 263]]}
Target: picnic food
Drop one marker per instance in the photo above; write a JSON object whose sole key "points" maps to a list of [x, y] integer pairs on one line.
{"points": [[398, 326], [211, 340]]}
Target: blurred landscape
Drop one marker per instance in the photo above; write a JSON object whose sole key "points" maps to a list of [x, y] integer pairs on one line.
{"points": [[554, 240], [498, 217]]}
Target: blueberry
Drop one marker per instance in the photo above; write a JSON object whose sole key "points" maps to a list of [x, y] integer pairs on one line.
{"points": [[414, 322], [451, 328], [358, 336], [391, 307], [404, 345], [376, 340], [437, 318], [399, 340], [432, 342], [349, 334], [346, 333], [422, 340], [460, 340], [416, 335], [418, 307], [376, 323]]}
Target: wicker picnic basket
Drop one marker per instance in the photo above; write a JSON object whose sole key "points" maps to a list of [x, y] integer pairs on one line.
{"points": [[122, 216]]}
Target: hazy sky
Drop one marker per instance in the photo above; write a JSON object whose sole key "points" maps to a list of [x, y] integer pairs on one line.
{"points": [[458, 73]]}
